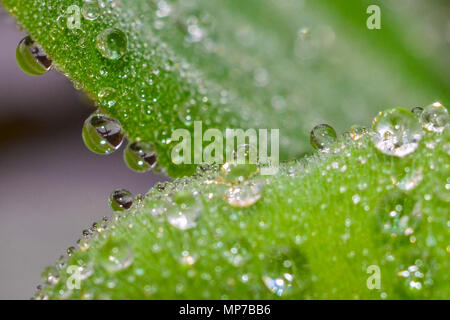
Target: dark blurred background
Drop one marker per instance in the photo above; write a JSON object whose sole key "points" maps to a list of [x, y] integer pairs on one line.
{"points": [[51, 185]]}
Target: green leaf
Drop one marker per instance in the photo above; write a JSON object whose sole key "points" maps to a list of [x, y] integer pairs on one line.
{"points": [[320, 227], [254, 64]]}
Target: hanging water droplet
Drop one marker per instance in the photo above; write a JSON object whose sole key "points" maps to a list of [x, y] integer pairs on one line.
{"points": [[90, 9], [185, 211], [101, 134], [244, 195], [322, 137], [120, 200], [397, 132], [112, 43], [357, 132], [116, 255], [398, 214], [417, 111], [50, 276], [435, 117], [140, 156], [31, 58]]}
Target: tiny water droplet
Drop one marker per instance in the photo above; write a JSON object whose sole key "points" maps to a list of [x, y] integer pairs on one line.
{"points": [[435, 117], [397, 132], [31, 58], [112, 43], [322, 137], [185, 211], [90, 10], [120, 200], [140, 156], [244, 195], [116, 255], [101, 134], [50, 276]]}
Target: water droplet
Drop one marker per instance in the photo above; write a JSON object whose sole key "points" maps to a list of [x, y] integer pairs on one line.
{"points": [[50, 276], [322, 137], [357, 132], [187, 259], [120, 200], [185, 211], [140, 156], [112, 43], [398, 214], [116, 255], [244, 195], [435, 117], [90, 9], [397, 132], [242, 168], [101, 134], [279, 286], [31, 58], [417, 111]]}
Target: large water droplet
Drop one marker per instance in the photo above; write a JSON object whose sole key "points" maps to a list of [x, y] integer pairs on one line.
{"points": [[112, 43], [116, 255], [397, 132], [435, 117], [120, 200], [101, 134], [50, 276], [185, 211], [90, 9], [322, 137], [31, 58], [140, 156], [244, 195]]}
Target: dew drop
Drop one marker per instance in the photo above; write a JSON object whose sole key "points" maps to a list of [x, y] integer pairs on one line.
{"points": [[357, 132], [101, 134], [435, 117], [322, 137], [31, 58], [185, 211], [279, 286], [397, 132], [140, 156], [243, 166], [112, 43], [90, 10], [50, 276], [120, 200], [417, 111], [244, 195], [116, 255]]}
